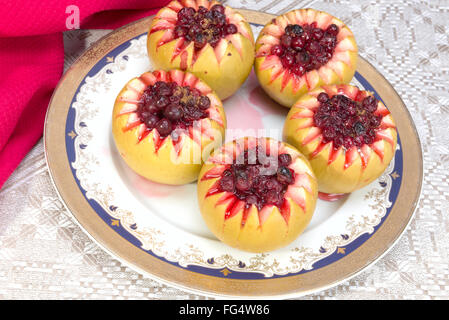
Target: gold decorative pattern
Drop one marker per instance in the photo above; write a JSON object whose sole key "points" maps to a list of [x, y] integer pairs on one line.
{"points": [[395, 175], [225, 272], [72, 134]]}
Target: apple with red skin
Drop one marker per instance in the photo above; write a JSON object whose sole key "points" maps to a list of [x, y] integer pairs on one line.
{"points": [[210, 40], [302, 50], [165, 124], [348, 136], [257, 194]]}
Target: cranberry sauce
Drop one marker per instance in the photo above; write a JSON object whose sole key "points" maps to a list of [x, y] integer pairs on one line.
{"points": [[305, 48], [258, 179], [203, 26], [346, 122], [166, 106]]}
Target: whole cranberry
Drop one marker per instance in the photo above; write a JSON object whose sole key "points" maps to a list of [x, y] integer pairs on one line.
{"points": [[218, 7], [297, 29], [288, 60], [219, 18], [200, 41], [202, 10], [298, 69], [286, 40], [277, 50], [242, 182], [180, 31], [164, 89], [204, 103], [306, 36], [302, 57], [151, 120], [173, 112], [359, 128], [152, 108], [370, 103], [227, 183], [328, 42], [284, 175], [323, 97], [164, 127], [192, 113], [289, 30], [162, 102], [332, 29], [284, 160], [230, 28], [317, 33], [185, 15], [297, 43]]}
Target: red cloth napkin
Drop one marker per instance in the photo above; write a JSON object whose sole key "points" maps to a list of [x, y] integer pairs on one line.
{"points": [[32, 59]]}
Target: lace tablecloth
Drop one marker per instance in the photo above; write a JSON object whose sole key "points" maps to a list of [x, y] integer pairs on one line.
{"points": [[45, 255]]}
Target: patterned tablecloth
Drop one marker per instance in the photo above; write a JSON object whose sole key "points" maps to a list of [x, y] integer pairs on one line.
{"points": [[45, 255]]}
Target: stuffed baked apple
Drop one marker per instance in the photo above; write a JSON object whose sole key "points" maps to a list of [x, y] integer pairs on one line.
{"points": [[205, 38], [347, 134], [302, 50], [257, 194], [165, 123]]}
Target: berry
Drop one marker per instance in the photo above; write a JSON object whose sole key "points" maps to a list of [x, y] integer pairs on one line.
{"points": [[299, 70], [298, 43], [277, 50], [288, 60], [204, 103], [284, 160], [323, 97], [164, 127], [173, 112], [151, 121], [284, 175], [231, 29], [332, 29], [286, 40]]}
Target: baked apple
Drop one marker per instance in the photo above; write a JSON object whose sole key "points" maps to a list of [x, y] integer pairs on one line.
{"points": [[208, 39], [165, 123], [347, 134], [257, 194], [302, 50]]}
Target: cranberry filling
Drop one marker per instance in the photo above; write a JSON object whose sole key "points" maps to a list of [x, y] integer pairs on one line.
{"points": [[258, 179], [203, 26], [346, 122], [305, 48], [166, 106]]}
